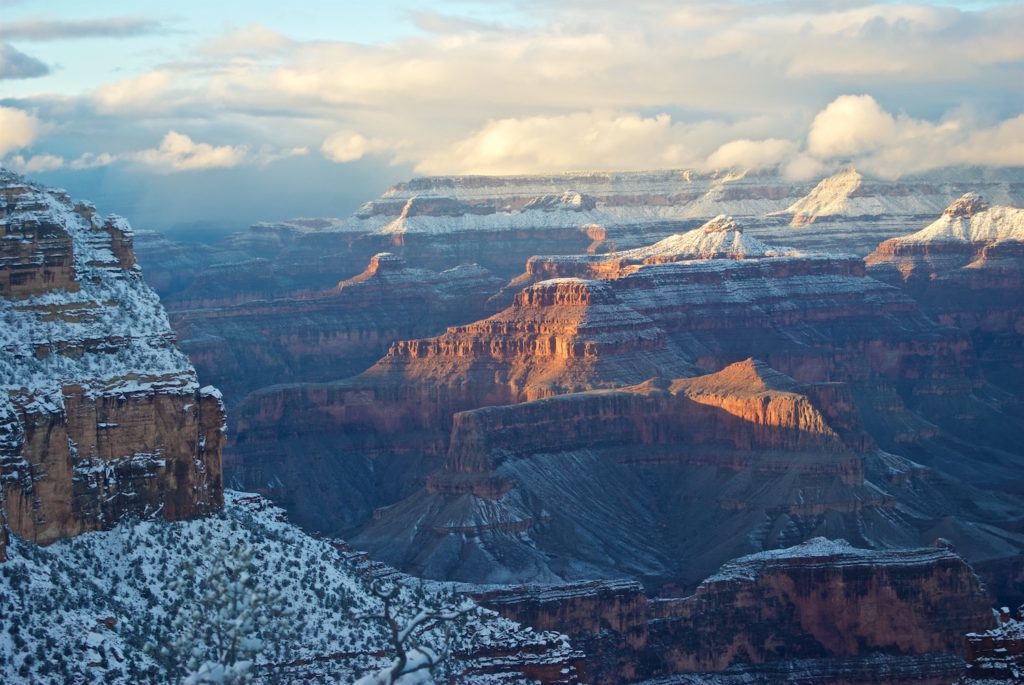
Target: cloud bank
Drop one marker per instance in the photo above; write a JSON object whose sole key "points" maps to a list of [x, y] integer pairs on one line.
{"points": [[892, 88]]}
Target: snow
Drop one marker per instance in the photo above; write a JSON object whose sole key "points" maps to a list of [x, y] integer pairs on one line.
{"points": [[111, 337], [849, 195], [719, 238], [959, 224], [101, 606], [835, 553]]}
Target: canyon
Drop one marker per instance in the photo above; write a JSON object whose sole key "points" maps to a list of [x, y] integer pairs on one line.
{"points": [[689, 427]]}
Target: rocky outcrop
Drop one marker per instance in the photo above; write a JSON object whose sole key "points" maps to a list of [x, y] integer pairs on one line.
{"points": [[966, 269], [101, 417], [822, 611], [996, 656], [330, 334], [630, 482], [558, 336]]}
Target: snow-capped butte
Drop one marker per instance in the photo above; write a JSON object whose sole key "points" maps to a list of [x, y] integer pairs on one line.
{"points": [[849, 195], [831, 196], [720, 238], [970, 219]]}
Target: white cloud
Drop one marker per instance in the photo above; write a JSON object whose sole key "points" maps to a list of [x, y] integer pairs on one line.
{"points": [[90, 160], [178, 152], [249, 40], [752, 154], [581, 84], [849, 125], [857, 129], [582, 140], [35, 164], [18, 129], [348, 146], [131, 95]]}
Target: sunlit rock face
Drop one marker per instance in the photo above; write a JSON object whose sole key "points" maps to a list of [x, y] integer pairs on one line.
{"points": [[101, 416]]}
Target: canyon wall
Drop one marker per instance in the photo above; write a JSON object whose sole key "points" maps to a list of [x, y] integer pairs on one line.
{"points": [[101, 417]]}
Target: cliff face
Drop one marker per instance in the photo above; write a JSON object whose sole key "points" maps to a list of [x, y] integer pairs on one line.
{"points": [[966, 269], [100, 415], [996, 655], [822, 611], [329, 334], [633, 481]]}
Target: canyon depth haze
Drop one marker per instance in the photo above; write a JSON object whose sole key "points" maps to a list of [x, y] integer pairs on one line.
{"points": [[501, 342]]}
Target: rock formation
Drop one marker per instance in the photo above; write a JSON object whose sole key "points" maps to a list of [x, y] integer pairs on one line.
{"points": [[822, 611], [329, 334], [996, 656], [966, 270], [901, 395], [558, 488], [101, 416]]}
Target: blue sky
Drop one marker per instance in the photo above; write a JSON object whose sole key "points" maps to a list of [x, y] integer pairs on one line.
{"points": [[222, 113]]}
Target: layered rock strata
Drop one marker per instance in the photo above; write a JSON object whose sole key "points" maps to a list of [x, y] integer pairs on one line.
{"points": [[498, 222], [883, 373], [996, 656], [966, 269], [101, 416], [558, 488], [821, 611], [330, 334]]}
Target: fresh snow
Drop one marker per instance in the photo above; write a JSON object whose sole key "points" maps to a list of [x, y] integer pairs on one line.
{"points": [[986, 225], [115, 319], [719, 238], [100, 607]]}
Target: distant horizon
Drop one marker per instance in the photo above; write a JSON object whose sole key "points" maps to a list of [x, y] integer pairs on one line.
{"points": [[232, 112], [209, 230]]}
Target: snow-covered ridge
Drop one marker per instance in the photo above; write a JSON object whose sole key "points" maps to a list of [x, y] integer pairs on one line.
{"points": [[103, 604], [820, 550], [719, 238], [849, 195], [970, 219], [111, 336]]}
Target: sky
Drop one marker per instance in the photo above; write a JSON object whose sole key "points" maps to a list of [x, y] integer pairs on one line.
{"points": [[207, 116]]}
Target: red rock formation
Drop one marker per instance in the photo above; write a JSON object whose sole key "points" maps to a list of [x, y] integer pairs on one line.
{"points": [[558, 336], [746, 452], [823, 609], [100, 416]]}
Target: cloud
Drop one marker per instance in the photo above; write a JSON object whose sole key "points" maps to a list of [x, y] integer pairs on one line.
{"points": [[855, 128], [16, 64], [577, 84], [266, 154], [49, 29], [250, 40], [348, 146], [90, 160], [849, 125], [134, 94], [178, 152], [35, 164], [752, 154], [18, 129], [607, 141]]}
